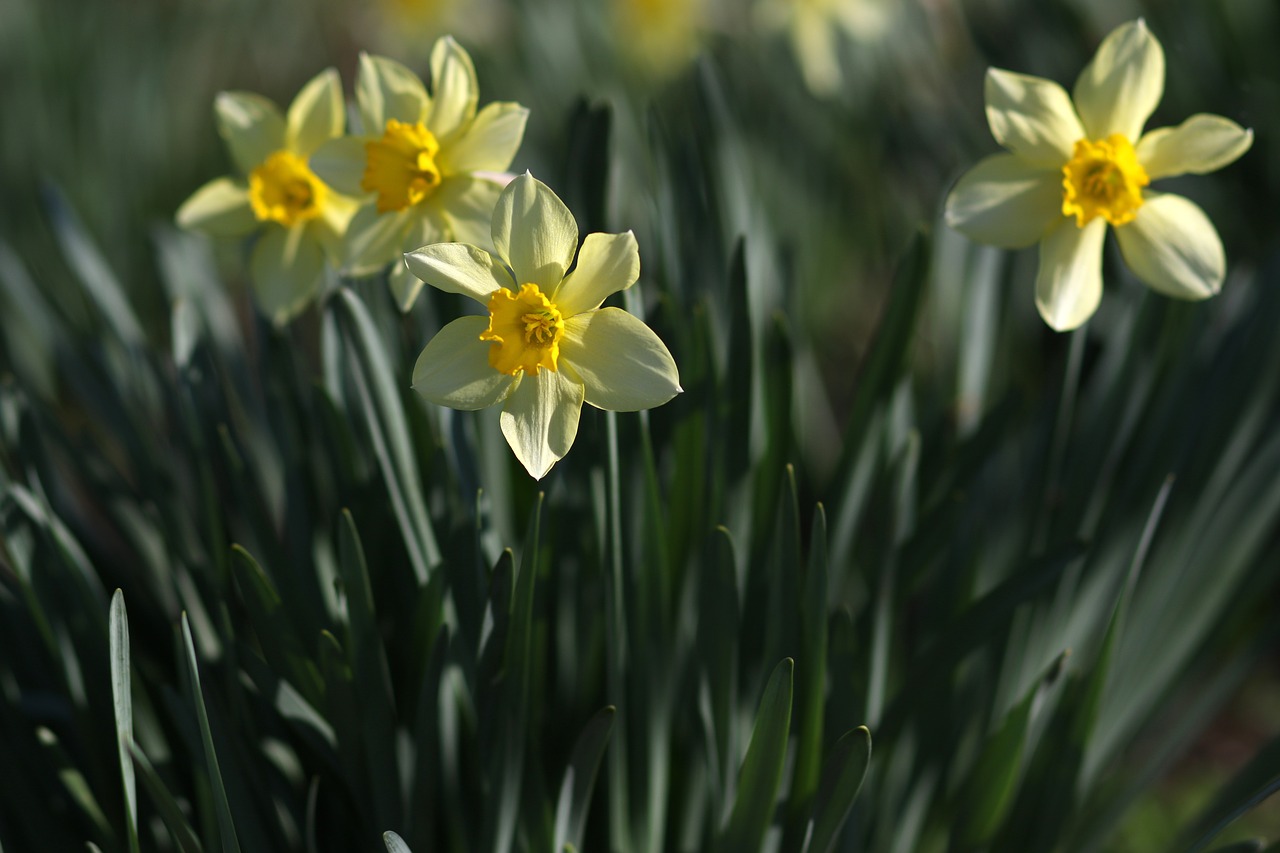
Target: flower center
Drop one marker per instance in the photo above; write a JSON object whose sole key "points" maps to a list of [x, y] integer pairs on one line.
{"points": [[401, 166], [525, 328], [1103, 178], [283, 189]]}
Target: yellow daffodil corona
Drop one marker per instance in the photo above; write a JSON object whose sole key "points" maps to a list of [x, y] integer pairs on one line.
{"points": [[300, 220], [1077, 164], [427, 167], [545, 346]]}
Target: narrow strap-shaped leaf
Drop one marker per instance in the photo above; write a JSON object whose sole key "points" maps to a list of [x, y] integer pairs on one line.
{"points": [[122, 700], [580, 779], [170, 813], [762, 768], [73, 781], [226, 826], [1225, 820], [842, 776], [395, 844]]}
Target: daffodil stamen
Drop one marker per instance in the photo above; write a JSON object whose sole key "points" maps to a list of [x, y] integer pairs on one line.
{"points": [[525, 329], [1103, 178], [284, 190], [401, 166]]}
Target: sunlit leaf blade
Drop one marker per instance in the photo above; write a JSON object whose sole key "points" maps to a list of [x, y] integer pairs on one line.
{"points": [[394, 843], [579, 780], [842, 775], [122, 699], [169, 810]]}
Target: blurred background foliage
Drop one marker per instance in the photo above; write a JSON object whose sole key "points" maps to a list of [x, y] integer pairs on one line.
{"points": [[996, 495]]}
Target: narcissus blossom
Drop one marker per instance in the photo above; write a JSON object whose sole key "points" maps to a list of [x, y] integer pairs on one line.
{"points": [[300, 218], [426, 166], [1076, 165], [544, 345], [815, 28]]}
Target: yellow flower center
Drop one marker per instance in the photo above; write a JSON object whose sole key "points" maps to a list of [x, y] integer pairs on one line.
{"points": [[283, 189], [401, 166], [525, 328], [1103, 178]]}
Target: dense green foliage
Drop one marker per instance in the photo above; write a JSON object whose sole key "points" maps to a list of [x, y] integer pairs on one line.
{"points": [[890, 507]]}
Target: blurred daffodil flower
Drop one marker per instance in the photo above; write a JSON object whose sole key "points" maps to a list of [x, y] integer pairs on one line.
{"points": [[427, 167], [659, 37], [815, 27], [1075, 168], [299, 217], [546, 346]]}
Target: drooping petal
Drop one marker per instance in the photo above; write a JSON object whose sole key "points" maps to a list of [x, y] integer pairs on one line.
{"points": [[534, 233], [385, 89], [316, 114], [374, 239], [1005, 201], [624, 366], [220, 207], [459, 268], [454, 90], [465, 204], [607, 263], [330, 227], [1174, 248], [816, 47], [453, 369], [1069, 281], [287, 271], [540, 419], [424, 230], [252, 127], [340, 164], [1032, 117], [1119, 89], [1202, 143], [489, 143]]}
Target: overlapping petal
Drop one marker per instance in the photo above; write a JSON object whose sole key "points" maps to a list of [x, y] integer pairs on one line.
{"points": [[1203, 143], [489, 143], [1119, 89], [385, 89], [1005, 201], [316, 114], [1069, 281], [1174, 248], [454, 90], [623, 365], [453, 369], [534, 233], [459, 268], [220, 207], [340, 163], [540, 419], [1031, 117], [252, 127], [607, 263], [373, 240], [288, 271], [466, 204]]}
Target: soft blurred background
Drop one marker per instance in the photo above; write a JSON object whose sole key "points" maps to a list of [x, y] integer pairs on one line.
{"points": [[826, 133]]}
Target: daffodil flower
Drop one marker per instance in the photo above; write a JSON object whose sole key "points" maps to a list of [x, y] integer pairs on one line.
{"points": [[814, 28], [299, 217], [1074, 168], [426, 166], [545, 345]]}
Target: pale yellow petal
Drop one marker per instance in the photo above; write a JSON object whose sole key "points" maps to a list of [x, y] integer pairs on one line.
{"points": [[623, 365], [459, 268], [1069, 281], [1174, 248], [607, 263], [374, 239], [385, 89], [466, 204], [453, 369], [220, 207], [489, 143], [534, 233], [340, 164], [1203, 143], [1005, 201], [316, 114], [252, 127], [1119, 89], [1032, 117], [287, 270], [454, 90], [540, 419], [817, 49]]}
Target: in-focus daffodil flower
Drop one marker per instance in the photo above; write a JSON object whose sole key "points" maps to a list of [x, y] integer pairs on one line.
{"points": [[1072, 169], [545, 345], [815, 27], [427, 167], [300, 218]]}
